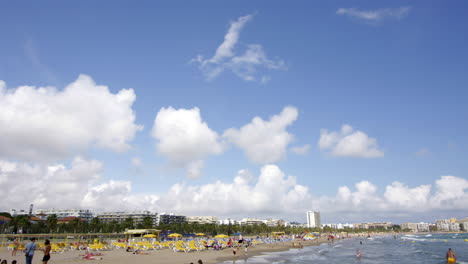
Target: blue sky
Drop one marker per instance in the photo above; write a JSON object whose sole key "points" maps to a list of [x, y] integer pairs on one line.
{"points": [[394, 71]]}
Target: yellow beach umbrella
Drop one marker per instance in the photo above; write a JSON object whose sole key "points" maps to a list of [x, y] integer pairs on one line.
{"points": [[174, 235], [200, 234], [222, 236], [150, 236]]}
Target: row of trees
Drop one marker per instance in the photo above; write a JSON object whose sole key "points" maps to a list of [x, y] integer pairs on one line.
{"points": [[20, 224]]}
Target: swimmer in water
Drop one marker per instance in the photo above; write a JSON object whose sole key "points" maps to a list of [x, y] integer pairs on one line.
{"points": [[358, 253], [451, 257]]}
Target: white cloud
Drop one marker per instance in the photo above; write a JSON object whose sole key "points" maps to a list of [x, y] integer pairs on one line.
{"points": [[302, 150], [46, 124], [46, 186], [265, 141], [185, 139], [424, 152], [136, 162], [245, 66], [349, 143], [375, 15], [271, 193]]}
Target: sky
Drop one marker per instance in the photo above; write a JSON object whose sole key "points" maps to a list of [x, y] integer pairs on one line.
{"points": [[356, 109]]}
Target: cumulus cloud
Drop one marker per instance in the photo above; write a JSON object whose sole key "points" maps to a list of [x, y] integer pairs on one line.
{"points": [[271, 193], [264, 141], [43, 123], [246, 66], [349, 143], [46, 186], [302, 150], [375, 15], [185, 139]]}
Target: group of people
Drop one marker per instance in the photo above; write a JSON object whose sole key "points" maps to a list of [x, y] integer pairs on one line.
{"points": [[30, 249]]}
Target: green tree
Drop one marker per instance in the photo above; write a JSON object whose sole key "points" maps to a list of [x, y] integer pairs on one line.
{"points": [[95, 225], [52, 223], [128, 223]]}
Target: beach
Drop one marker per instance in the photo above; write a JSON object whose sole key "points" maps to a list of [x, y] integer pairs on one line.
{"points": [[120, 256]]}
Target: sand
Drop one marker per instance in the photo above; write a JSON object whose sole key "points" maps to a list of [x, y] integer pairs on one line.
{"points": [[120, 256]]}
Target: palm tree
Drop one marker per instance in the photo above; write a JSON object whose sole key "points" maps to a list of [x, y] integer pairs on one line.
{"points": [[51, 223]]}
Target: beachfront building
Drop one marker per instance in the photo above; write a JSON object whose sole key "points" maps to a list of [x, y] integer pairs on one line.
{"points": [[275, 222], [165, 219], [120, 217], [464, 226], [227, 221], [251, 221], [202, 219], [84, 214], [413, 227], [14, 212], [383, 225], [443, 225], [454, 227], [313, 219]]}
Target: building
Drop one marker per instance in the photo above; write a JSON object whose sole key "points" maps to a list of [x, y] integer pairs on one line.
{"points": [[69, 219], [202, 219], [443, 225], [423, 227], [454, 227], [275, 222], [313, 219], [227, 221], [383, 225], [413, 227], [251, 221], [120, 217], [165, 219], [84, 214]]}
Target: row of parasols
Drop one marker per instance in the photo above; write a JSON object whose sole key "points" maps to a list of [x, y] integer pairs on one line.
{"points": [[179, 235]]}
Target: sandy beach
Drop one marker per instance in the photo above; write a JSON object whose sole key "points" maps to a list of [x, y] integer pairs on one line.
{"points": [[120, 256]]}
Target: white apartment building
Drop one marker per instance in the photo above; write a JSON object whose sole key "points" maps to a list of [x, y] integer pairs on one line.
{"points": [[443, 225], [251, 221], [411, 226], [120, 217], [454, 227], [227, 222], [313, 219], [84, 214], [202, 219]]}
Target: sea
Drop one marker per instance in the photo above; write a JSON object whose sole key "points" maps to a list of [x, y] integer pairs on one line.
{"points": [[415, 249]]}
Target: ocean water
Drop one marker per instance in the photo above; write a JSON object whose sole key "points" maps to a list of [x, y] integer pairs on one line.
{"points": [[415, 249]]}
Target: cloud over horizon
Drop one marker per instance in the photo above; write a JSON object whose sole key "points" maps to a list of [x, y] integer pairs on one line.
{"points": [[271, 193]]}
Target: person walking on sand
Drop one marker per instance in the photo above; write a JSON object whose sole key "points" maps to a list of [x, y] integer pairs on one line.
{"points": [[47, 249], [451, 257], [29, 250], [16, 244]]}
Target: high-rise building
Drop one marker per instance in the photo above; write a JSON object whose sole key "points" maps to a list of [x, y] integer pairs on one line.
{"points": [[120, 217], [313, 219]]}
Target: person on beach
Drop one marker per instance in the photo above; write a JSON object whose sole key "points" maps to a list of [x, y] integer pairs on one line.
{"points": [[4, 261], [451, 257], [47, 249], [29, 250], [234, 251], [200, 261], [13, 262], [16, 244]]}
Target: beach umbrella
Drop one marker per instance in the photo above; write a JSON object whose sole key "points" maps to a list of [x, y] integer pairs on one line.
{"points": [[200, 234], [238, 234], [174, 235], [150, 236], [222, 236]]}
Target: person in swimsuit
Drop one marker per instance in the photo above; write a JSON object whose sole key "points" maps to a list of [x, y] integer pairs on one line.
{"points": [[451, 257], [15, 246], [46, 251]]}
